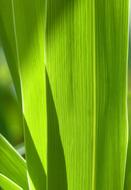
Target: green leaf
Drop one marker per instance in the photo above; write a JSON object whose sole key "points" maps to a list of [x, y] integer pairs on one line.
{"points": [[128, 163], [83, 143], [12, 165], [7, 184], [86, 65], [7, 37], [29, 24], [22, 34]]}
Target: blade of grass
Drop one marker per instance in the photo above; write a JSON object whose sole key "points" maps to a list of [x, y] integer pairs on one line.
{"points": [[86, 68], [23, 35], [7, 184], [84, 118], [30, 51], [111, 67], [128, 164], [12, 165], [8, 42]]}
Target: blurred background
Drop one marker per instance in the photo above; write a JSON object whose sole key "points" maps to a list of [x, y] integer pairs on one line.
{"points": [[10, 120]]}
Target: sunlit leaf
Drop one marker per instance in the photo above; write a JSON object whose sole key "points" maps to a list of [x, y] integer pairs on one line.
{"points": [[128, 163], [22, 32], [7, 184], [81, 141], [7, 38], [12, 165], [87, 50]]}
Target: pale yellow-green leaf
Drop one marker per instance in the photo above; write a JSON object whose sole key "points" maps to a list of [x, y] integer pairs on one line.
{"points": [[83, 143], [12, 165], [7, 184], [128, 163], [22, 33], [87, 47]]}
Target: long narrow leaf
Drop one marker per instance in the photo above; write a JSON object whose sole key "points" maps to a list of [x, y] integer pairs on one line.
{"points": [[7, 184], [128, 163], [29, 24], [12, 165], [86, 93], [23, 36], [86, 61], [7, 38]]}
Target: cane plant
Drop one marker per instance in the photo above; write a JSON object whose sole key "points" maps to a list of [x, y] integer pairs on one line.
{"points": [[68, 61]]}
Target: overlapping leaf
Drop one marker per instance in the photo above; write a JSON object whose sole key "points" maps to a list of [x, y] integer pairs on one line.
{"points": [[6, 184], [85, 90], [12, 165], [22, 34]]}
